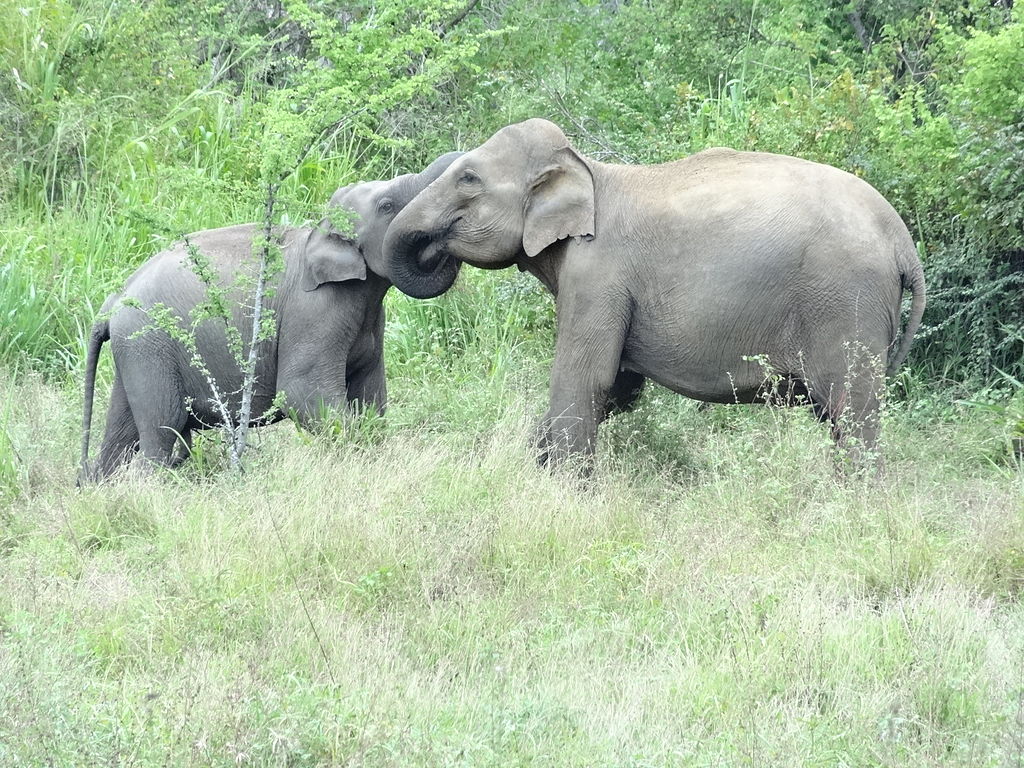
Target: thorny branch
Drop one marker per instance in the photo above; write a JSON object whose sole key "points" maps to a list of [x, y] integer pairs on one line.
{"points": [[249, 381], [858, 29]]}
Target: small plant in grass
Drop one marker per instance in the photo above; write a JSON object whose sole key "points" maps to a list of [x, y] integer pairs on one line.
{"points": [[207, 458]]}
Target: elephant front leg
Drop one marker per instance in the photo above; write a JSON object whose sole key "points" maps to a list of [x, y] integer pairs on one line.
{"points": [[584, 372], [313, 409], [314, 394], [367, 388]]}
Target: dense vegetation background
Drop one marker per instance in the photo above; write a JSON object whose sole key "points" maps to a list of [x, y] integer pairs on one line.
{"points": [[417, 592], [122, 122]]}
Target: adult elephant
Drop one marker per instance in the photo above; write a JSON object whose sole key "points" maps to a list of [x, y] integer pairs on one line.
{"points": [[725, 276], [327, 351]]}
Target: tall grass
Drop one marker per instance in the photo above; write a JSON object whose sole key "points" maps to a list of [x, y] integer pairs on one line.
{"points": [[715, 596], [53, 133]]}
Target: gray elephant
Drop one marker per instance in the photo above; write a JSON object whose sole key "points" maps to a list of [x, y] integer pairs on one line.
{"points": [[329, 316], [725, 276]]}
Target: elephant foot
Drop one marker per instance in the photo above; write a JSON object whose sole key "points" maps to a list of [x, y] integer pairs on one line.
{"points": [[556, 454]]}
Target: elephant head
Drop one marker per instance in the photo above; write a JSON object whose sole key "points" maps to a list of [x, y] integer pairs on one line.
{"points": [[522, 190], [350, 240]]}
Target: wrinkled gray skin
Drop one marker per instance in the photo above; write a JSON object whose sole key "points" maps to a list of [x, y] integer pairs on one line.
{"points": [[677, 273], [330, 324]]}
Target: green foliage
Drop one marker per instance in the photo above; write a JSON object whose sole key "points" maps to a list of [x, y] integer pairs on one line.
{"points": [[125, 125], [1006, 402], [28, 312], [990, 103], [81, 75], [992, 64], [355, 70]]}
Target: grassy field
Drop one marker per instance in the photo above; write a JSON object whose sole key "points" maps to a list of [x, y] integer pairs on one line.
{"points": [[422, 595]]}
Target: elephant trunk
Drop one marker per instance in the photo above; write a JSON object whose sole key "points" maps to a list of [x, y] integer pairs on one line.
{"points": [[419, 262]]}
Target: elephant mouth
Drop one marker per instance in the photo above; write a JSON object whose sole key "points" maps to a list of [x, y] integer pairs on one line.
{"points": [[432, 256]]}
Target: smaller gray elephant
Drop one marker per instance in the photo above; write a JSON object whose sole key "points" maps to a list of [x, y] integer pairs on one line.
{"points": [[327, 352]]}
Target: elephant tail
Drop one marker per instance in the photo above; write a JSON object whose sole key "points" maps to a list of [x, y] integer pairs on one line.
{"points": [[912, 277], [100, 333]]}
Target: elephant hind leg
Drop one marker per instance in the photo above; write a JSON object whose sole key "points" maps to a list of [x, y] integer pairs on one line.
{"points": [[121, 436], [624, 392], [161, 415], [853, 412]]}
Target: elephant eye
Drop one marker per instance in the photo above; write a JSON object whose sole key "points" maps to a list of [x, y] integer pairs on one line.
{"points": [[385, 206], [469, 178]]}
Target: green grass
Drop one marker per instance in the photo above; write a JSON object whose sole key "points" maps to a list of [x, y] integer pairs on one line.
{"points": [[426, 596]]}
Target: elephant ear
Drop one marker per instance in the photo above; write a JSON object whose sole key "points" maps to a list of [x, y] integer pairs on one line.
{"points": [[330, 258], [561, 203]]}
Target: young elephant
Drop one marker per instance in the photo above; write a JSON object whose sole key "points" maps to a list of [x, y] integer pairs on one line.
{"points": [[698, 274], [328, 311]]}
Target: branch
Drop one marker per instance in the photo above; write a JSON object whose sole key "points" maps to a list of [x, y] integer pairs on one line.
{"points": [[858, 28], [328, 131], [441, 31], [249, 379], [457, 19]]}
